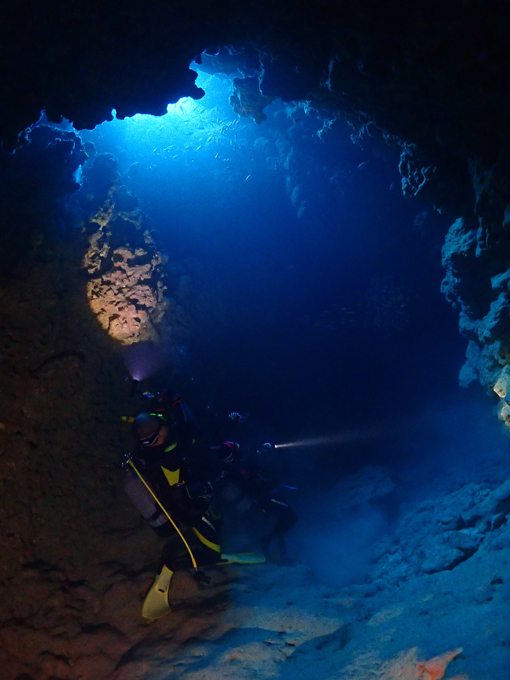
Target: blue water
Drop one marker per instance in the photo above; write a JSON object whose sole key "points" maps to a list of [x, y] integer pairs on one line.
{"points": [[314, 282]]}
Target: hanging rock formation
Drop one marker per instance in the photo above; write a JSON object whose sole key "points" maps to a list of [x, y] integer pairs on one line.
{"points": [[127, 282], [477, 284]]}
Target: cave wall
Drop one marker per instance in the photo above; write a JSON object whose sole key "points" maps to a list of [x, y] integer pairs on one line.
{"points": [[65, 524], [74, 551]]}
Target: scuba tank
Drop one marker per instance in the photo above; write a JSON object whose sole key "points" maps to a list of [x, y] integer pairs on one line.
{"points": [[144, 502]]}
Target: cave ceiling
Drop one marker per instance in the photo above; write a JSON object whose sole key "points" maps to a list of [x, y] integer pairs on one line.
{"points": [[433, 76], [430, 78]]}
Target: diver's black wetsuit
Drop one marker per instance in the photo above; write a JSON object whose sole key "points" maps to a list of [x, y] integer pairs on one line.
{"points": [[263, 491], [178, 486]]}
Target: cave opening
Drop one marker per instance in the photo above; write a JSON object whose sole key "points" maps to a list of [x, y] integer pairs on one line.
{"points": [[300, 285], [296, 283], [287, 241]]}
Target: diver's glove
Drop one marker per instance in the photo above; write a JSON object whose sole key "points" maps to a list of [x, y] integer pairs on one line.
{"points": [[200, 577], [127, 459], [226, 452], [124, 462]]}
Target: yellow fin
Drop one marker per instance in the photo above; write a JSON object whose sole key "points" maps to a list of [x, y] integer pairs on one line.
{"points": [[242, 558], [156, 605]]}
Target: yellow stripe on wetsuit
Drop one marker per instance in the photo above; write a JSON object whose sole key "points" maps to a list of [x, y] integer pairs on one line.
{"points": [[172, 476], [209, 544]]}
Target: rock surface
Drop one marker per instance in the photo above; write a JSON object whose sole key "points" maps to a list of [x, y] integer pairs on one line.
{"points": [[126, 288], [477, 284]]}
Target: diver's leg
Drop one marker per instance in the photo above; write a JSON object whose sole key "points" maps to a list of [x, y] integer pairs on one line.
{"points": [[206, 532], [285, 519]]}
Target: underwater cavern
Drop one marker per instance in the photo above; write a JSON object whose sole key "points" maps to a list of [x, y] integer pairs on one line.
{"points": [[294, 216]]}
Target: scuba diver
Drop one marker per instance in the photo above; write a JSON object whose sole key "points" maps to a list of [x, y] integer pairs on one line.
{"points": [[243, 487], [172, 498]]}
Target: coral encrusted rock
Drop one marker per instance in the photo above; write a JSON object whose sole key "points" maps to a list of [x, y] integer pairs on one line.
{"points": [[477, 284], [126, 289]]}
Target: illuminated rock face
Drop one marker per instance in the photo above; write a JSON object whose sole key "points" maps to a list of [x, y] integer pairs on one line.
{"points": [[477, 284], [126, 288]]}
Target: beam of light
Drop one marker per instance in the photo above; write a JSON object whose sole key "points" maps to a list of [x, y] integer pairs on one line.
{"points": [[347, 436], [145, 359]]}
